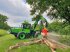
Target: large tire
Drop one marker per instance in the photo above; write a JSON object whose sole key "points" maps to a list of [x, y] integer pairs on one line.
{"points": [[21, 35]]}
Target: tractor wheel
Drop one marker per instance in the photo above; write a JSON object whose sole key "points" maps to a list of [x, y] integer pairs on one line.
{"points": [[21, 35]]}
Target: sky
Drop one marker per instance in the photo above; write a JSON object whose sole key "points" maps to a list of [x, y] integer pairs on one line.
{"points": [[17, 11]]}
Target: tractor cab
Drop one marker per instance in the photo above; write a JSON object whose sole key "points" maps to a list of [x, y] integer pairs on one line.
{"points": [[26, 26]]}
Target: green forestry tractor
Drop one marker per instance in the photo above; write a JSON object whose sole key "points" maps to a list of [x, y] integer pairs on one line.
{"points": [[27, 30]]}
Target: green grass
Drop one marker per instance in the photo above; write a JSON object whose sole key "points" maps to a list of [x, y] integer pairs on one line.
{"points": [[8, 40], [3, 32]]}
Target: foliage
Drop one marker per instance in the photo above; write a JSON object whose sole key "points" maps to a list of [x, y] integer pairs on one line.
{"points": [[3, 18], [54, 8], [25, 22], [66, 30], [3, 23], [55, 26], [4, 26], [60, 27]]}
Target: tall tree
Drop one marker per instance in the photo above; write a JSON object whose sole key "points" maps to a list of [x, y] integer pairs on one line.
{"points": [[3, 18], [3, 23], [54, 8]]}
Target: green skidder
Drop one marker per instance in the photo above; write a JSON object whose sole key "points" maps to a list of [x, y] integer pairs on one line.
{"points": [[22, 32], [27, 30]]}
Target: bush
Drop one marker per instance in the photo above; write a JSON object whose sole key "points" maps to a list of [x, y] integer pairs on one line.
{"points": [[4, 26], [59, 27], [55, 26], [67, 30]]}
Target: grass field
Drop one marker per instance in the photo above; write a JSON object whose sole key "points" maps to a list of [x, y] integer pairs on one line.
{"points": [[8, 40]]}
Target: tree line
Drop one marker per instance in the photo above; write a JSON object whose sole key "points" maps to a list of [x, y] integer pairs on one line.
{"points": [[3, 22], [60, 27]]}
